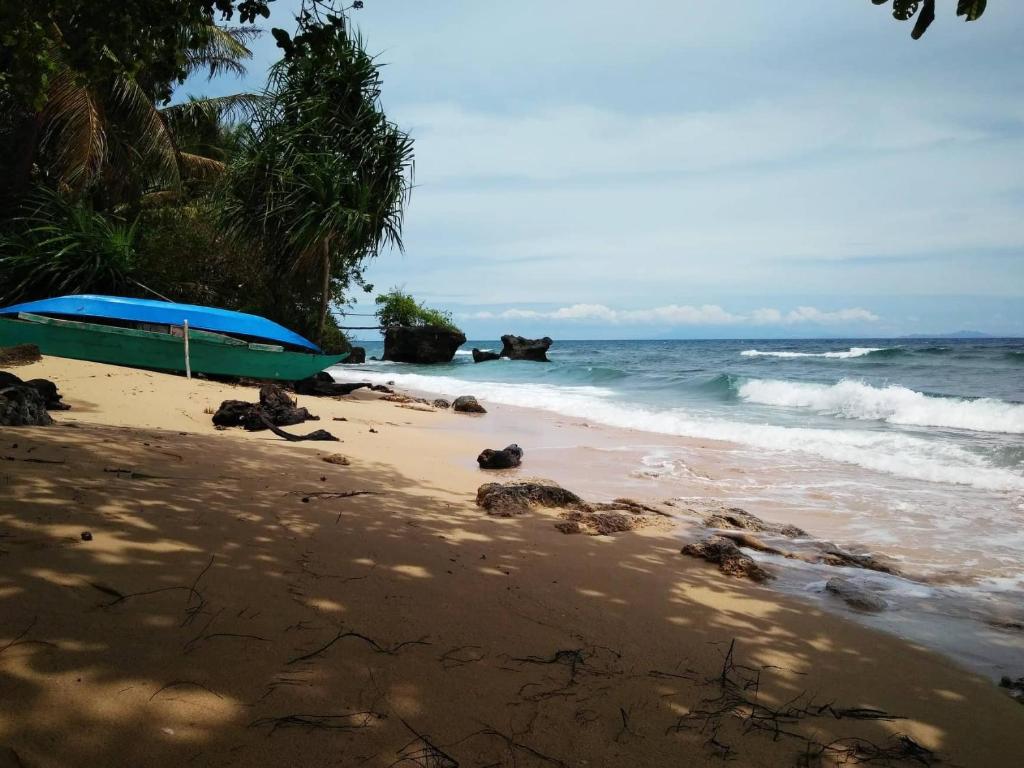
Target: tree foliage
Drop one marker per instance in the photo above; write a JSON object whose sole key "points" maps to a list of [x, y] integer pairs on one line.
{"points": [[923, 12], [399, 308]]}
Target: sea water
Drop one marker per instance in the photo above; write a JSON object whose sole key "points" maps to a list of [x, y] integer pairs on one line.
{"points": [[909, 449]]}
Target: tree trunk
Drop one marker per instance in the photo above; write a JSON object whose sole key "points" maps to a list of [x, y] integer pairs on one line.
{"points": [[325, 297]]}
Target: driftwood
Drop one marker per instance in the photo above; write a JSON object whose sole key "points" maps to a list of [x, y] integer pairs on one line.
{"points": [[318, 434]]}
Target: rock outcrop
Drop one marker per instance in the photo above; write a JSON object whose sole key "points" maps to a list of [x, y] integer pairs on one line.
{"points": [[855, 596], [467, 404], [323, 385], [728, 557], [441, 403], [22, 406], [46, 389], [357, 356], [518, 348], [507, 458], [421, 344], [483, 355], [511, 499], [275, 405]]}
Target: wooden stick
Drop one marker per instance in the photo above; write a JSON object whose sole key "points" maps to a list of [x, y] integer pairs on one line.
{"points": [[188, 362]]}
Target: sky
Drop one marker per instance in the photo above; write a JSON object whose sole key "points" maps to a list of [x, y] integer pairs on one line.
{"points": [[695, 169]]}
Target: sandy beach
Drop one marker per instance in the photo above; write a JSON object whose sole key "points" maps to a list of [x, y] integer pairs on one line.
{"points": [[243, 602]]}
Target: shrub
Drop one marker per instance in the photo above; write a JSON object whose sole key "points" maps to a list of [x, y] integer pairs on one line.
{"points": [[399, 308]]}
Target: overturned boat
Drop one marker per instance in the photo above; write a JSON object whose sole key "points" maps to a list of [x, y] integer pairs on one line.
{"points": [[162, 335]]}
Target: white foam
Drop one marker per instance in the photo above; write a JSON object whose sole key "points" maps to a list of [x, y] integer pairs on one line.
{"points": [[893, 404], [851, 352], [895, 454]]}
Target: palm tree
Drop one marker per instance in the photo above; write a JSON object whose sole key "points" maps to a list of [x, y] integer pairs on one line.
{"points": [[323, 177]]}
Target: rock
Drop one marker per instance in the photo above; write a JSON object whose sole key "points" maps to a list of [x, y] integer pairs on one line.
{"points": [[1014, 687], [323, 385], [601, 523], [728, 557], [510, 499], [735, 518], [483, 355], [833, 555], [46, 389], [22, 405], [381, 388], [19, 354], [421, 344], [855, 596], [356, 357], [86, 536], [336, 458], [275, 405], [507, 458], [467, 404], [441, 403], [396, 397], [518, 348]]}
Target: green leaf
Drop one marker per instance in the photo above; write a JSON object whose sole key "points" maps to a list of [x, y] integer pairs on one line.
{"points": [[970, 9]]}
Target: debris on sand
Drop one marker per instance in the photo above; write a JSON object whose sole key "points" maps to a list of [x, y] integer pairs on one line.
{"points": [[275, 407], [21, 404], [336, 458], [19, 354]]}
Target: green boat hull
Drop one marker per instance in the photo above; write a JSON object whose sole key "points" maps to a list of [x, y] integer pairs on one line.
{"points": [[208, 352]]}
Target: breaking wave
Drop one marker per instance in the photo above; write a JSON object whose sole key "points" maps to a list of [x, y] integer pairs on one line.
{"points": [[893, 404], [839, 355]]}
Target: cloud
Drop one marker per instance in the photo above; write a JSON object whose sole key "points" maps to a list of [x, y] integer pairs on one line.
{"points": [[675, 315]]}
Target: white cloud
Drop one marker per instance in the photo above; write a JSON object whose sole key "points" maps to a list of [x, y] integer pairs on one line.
{"points": [[676, 315]]}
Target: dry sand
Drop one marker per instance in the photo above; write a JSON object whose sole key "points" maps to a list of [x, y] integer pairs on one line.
{"points": [[225, 615]]}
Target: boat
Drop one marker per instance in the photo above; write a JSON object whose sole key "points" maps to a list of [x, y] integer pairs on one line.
{"points": [[158, 335]]}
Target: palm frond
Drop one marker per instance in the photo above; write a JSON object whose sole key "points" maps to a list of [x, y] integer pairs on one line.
{"points": [[222, 49], [199, 167], [152, 143], [74, 137]]}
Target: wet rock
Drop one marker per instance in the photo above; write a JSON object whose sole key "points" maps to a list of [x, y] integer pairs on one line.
{"points": [[855, 596], [19, 354], [275, 406], [510, 499], [483, 355], [1014, 687], [441, 403], [728, 557], [833, 555], [518, 348], [507, 458], [22, 405], [355, 357], [421, 344], [381, 388], [323, 385], [734, 518], [467, 404]]}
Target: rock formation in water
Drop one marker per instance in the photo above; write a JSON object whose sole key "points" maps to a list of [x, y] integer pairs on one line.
{"points": [[518, 348], [421, 344], [483, 355]]}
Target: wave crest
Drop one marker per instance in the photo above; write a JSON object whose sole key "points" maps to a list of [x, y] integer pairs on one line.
{"points": [[894, 404], [839, 355]]}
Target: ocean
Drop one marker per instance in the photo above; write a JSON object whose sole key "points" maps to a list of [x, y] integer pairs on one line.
{"points": [[911, 449]]}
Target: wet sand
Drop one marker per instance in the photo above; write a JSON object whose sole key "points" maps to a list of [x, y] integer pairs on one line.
{"points": [[238, 605]]}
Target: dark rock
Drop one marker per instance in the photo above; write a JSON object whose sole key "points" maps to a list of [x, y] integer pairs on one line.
{"points": [[336, 458], [21, 405], [833, 555], [507, 458], [50, 395], [275, 406], [421, 344], [441, 403], [323, 385], [467, 404], [601, 523], [483, 355], [381, 388], [20, 354], [1014, 687], [356, 357], [510, 499], [730, 560], [734, 518], [518, 348], [86, 536], [855, 596]]}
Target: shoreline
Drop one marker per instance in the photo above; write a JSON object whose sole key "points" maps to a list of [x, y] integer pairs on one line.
{"points": [[977, 628], [217, 617]]}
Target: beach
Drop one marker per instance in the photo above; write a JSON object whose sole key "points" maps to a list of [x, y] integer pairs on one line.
{"points": [[241, 601]]}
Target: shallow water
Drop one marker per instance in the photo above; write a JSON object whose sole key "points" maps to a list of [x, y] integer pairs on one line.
{"points": [[911, 449]]}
